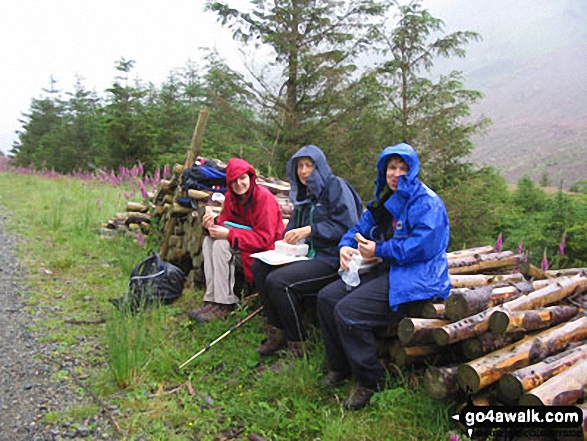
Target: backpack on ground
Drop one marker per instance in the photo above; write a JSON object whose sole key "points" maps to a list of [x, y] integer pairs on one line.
{"points": [[152, 281]]}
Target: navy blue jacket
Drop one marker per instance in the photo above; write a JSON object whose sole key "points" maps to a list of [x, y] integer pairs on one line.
{"points": [[417, 249], [326, 204]]}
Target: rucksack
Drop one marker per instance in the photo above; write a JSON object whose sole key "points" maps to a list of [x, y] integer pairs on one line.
{"points": [[203, 177], [152, 281], [356, 197]]}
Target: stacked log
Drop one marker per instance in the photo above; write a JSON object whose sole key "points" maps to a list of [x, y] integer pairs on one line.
{"points": [[517, 340]]}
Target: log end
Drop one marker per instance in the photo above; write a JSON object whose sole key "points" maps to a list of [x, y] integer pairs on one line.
{"points": [[441, 337], [509, 389], [405, 330], [468, 379], [433, 385], [498, 322], [530, 399]]}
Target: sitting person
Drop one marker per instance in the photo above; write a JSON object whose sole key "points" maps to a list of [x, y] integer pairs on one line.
{"points": [[324, 208], [406, 225], [248, 204]]}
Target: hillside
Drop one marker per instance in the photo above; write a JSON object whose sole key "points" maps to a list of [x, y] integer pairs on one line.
{"points": [[531, 66]]}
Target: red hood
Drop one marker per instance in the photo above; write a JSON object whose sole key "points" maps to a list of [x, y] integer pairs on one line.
{"points": [[237, 167]]}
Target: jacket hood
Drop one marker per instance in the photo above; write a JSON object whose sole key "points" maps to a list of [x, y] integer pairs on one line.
{"points": [[235, 168], [319, 178], [405, 182]]}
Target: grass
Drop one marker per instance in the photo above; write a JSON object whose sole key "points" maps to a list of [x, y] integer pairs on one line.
{"points": [[131, 360]]}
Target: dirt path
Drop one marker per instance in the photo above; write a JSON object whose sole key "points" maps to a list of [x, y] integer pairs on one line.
{"points": [[30, 384]]}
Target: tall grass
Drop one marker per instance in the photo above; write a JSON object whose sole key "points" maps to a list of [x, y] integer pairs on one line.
{"points": [[227, 392]]}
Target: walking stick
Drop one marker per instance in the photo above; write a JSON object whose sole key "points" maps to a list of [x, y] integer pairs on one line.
{"points": [[208, 346]]}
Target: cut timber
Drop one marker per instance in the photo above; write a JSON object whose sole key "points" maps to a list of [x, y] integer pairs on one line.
{"points": [[482, 344], [418, 330], [136, 206], [467, 302], [407, 355], [557, 290], [475, 280], [477, 374], [531, 272], [441, 382], [561, 390], [513, 385], [469, 252], [504, 321], [434, 311], [481, 262]]}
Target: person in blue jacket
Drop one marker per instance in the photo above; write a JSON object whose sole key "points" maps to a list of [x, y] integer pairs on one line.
{"points": [[406, 225], [324, 209]]}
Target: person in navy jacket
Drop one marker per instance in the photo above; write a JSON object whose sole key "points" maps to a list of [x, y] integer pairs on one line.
{"points": [[324, 209], [406, 226]]}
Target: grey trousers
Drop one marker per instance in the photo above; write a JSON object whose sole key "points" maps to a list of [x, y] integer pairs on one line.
{"points": [[219, 264]]}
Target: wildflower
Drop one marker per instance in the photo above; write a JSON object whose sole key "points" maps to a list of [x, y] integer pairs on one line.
{"points": [[453, 437], [544, 264], [143, 190], [561, 246], [99, 204], [140, 239], [520, 247], [498, 243]]}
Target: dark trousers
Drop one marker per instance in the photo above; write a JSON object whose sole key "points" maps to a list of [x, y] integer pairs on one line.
{"points": [[347, 323], [281, 287]]}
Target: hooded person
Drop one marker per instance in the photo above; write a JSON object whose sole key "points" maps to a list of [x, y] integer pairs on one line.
{"points": [[325, 206], [406, 226], [258, 215]]}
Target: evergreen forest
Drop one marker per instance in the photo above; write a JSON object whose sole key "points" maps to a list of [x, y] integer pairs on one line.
{"points": [[348, 76]]}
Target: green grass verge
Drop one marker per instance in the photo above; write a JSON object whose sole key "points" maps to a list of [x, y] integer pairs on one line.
{"points": [[131, 361]]}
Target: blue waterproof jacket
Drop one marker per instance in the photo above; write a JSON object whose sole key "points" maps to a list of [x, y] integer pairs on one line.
{"points": [[417, 249], [327, 205]]}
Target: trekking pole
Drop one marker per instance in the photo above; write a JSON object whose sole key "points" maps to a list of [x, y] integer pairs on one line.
{"points": [[208, 346]]}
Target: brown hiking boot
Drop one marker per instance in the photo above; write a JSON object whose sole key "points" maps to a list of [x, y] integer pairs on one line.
{"points": [[335, 378], [275, 341], [195, 314], [360, 398], [217, 310], [297, 349]]}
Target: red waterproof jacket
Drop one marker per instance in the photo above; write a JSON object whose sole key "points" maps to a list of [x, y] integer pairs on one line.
{"points": [[258, 209]]}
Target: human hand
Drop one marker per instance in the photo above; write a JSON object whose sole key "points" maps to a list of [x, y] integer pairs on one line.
{"points": [[292, 237], [367, 249], [208, 218], [218, 232], [346, 255]]}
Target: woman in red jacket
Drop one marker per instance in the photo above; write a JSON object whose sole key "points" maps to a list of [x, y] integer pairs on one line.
{"points": [[252, 207]]}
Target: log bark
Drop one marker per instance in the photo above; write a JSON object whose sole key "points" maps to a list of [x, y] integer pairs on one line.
{"points": [[469, 252], [475, 280], [479, 323], [418, 330], [502, 322], [513, 385], [407, 355], [136, 207], [480, 262], [441, 382], [477, 374], [482, 344], [532, 272], [561, 390], [467, 302]]}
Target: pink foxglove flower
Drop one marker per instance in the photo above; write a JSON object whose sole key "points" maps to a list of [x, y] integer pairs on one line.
{"points": [[140, 239], [544, 264], [498, 244], [561, 246]]}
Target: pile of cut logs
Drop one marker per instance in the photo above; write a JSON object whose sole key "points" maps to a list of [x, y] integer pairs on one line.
{"points": [[514, 338]]}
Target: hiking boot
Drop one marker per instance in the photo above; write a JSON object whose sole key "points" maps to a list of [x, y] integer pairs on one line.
{"points": [[297, 349], [360, 398], [195, 314], [216, 311], [335, 378], [274, 342]]}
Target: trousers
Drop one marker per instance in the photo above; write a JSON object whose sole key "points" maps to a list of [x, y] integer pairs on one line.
{"points": [[219, 266], [347, 323], [281, 287]]}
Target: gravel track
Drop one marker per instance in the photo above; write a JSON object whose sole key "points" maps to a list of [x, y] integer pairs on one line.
{"points": [[32, 380]]}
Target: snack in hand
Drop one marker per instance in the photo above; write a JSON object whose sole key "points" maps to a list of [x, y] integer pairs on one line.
{"points": [[360, 239]]}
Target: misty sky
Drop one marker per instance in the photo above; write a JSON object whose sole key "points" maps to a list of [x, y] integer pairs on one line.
{"points": [[65, 38]]}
